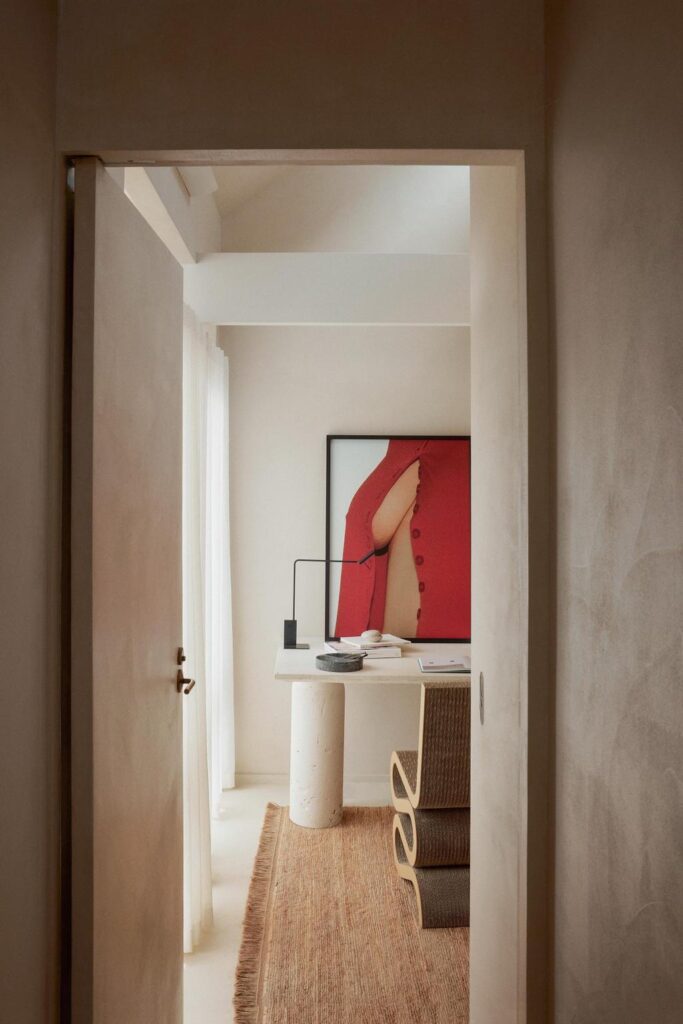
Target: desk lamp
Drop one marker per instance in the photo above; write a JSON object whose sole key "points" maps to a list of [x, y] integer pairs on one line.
{"points": [[290, 624]]}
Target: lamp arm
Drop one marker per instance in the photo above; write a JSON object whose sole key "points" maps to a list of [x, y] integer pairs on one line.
{"points": [[328, 561]]}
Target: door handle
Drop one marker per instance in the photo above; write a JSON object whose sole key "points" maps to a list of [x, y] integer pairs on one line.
{"points": [[183, 684]]}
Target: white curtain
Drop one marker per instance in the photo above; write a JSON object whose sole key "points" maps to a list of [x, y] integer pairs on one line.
{"points": [[208, 724]]}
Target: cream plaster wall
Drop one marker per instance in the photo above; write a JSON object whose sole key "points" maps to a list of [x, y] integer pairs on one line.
{"points": [[427, 73], [289, 387], [617, 230], [30, 370]]}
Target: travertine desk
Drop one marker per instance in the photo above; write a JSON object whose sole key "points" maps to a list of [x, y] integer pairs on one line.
{"points": [[317, 748]]}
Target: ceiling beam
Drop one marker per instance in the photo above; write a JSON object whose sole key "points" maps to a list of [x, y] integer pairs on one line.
{"points": [[329, 288]]}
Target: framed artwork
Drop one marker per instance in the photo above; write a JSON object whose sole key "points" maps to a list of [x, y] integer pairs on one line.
{"points": [[398, 514]]}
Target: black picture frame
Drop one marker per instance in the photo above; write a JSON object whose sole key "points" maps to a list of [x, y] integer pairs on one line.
{"points": [[330, 439]]}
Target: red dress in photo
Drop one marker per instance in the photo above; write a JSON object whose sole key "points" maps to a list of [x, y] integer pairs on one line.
{"points": [[440, 537]]}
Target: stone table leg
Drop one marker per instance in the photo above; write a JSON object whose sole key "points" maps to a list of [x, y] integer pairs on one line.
{"points": [[317, 754]]}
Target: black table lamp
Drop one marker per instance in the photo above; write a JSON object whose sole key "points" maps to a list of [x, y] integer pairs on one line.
{"points": [[290, 624]]}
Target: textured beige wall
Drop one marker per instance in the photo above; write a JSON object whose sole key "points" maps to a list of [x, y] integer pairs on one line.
{"points": [[29, 447], [168, 74], [289, 387], [617, 224], [415, 74], [337, 73]]}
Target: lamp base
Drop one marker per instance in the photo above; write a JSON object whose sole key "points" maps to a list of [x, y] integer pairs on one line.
{"points": [[290, 643]]}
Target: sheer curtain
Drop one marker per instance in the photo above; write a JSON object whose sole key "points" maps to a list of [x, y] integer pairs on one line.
{"points": [[208, 725]]}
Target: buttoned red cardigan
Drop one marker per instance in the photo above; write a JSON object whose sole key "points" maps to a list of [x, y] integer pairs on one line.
{"points": [[440, 535]]}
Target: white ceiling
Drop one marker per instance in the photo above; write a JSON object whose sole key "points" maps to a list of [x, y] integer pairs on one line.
{"points": [[352, 208], [237, 185]]}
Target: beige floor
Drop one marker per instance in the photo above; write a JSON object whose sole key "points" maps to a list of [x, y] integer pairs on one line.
{"points": [[210, 970]]}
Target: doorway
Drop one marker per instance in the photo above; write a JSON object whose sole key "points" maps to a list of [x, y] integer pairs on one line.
{"points": [[500, 783]]}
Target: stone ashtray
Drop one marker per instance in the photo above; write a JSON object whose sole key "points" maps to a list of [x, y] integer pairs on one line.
{"points": [[340, 662]]}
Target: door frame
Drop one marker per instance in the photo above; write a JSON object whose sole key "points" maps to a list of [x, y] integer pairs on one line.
{"points": [[535, 848]]}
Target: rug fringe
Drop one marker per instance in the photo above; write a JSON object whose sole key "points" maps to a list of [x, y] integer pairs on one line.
{"points": [[247, 975]]}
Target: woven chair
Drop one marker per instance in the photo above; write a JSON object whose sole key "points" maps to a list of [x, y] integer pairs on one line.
{"points": [[437, 774], [442, 895], [435, 838]]}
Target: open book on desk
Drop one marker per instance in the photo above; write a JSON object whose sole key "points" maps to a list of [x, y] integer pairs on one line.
{"points": [[430, 665]]}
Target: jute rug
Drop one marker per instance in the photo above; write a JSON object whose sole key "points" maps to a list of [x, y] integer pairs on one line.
{"points": [[330, 935]]}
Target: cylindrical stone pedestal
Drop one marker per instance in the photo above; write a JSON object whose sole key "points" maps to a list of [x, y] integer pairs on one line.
{"points": [[316, 779]]}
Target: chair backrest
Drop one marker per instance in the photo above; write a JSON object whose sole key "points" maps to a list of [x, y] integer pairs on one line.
{"points": [[444, 747]]}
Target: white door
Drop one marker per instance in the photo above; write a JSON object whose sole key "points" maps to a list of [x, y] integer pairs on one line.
{"points": [[125, 614]]}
